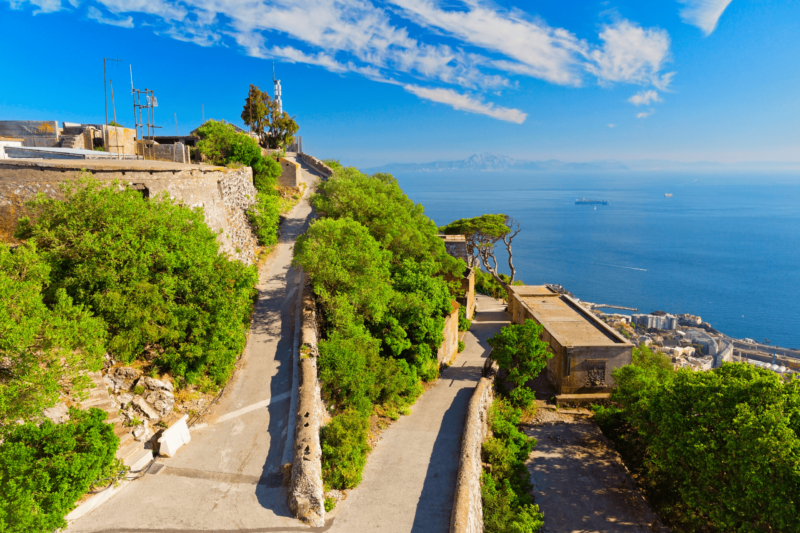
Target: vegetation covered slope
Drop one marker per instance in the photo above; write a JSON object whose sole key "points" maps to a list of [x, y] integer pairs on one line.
{"points": [[715, 451], [378, 268]]}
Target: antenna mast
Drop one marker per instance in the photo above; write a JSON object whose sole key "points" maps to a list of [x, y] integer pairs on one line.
{"points": [[277, 90]]}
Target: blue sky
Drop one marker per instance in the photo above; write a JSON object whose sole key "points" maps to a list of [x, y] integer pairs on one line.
{"points": [[373, 82]]}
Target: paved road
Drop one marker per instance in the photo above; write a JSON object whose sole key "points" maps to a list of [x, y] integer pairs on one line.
{"points": [[228, 478], [410, 477]]}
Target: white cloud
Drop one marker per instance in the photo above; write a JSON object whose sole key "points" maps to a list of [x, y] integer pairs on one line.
{"points": [[536, 49], [465, 102], [612, 125], [95, 14], [703, 13], [644, 98], [44, 6], [631, 54], [487, 43], [645, 114]]}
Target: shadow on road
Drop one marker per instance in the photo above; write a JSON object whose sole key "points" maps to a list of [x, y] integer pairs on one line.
{"points": [[436, 500]]}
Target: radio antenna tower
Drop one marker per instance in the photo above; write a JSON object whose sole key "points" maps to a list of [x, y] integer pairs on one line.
{"points": [[277, 90]]}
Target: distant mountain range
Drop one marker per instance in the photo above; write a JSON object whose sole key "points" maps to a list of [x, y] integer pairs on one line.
{"points": [[491, 162]]}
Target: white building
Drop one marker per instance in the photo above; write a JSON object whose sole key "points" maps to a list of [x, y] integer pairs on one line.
{"points": [[666, 322]]}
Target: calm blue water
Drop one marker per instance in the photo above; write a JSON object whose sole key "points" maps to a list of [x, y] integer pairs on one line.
{"points": [[726, 248]]}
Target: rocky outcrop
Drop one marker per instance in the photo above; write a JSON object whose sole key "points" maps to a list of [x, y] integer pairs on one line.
{"points": [[306, 494], [467, 514]]}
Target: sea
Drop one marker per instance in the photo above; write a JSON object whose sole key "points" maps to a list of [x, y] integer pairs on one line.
{"points": [[724, 247]]}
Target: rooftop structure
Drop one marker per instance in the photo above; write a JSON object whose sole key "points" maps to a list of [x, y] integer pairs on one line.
{"points": [[456, 245], [585, 349]]}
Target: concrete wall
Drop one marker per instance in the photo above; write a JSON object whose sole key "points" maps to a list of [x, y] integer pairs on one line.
{"points": [[317, 165], [119, 140], [223, 193], [467, 515], [8, 142], [468, 285], [177, 153], [449, 347], [290, 173], [306, 493], [33, 132]]}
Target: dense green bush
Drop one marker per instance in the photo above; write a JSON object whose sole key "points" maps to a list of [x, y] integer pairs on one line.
{"points": [[464, 323], [715, 451], [151, 270], [378, 268], [265, 216], [344, 450], [221, 144], [45, 470], [520, 350], [486, 284], [506, 488], [41, 346]]}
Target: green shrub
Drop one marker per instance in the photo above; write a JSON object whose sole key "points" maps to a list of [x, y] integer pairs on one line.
{"points": [[463, 322], [45, 470], [714, 451], [41, 345], [519, 349], [223, 145], [265, 216], [151, 270], [461, 346], [330, 503], [344, 450], [506, 488]]}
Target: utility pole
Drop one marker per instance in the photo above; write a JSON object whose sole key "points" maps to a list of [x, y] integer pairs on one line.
{"points": [[105, 84]]}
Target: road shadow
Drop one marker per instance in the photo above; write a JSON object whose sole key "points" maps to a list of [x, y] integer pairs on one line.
{"points": [[436, 500]]}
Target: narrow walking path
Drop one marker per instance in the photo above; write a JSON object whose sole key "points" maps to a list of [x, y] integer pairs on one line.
{"points": [[579, 481], [410, 477], [228, 477]]}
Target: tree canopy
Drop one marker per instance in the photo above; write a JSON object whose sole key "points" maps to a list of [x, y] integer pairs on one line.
{"points": [[482, 234], [714, 451], [519, 349], [275, 130]]}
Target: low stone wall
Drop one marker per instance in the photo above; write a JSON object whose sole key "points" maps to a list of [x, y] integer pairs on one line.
{"points": [[223, 193], [467, 514], [289, 173], [316, 164], [449, 347], [306, 494]]}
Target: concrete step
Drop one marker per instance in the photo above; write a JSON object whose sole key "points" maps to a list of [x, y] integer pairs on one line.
{"points": [[129, 450], [125, 439], [140, 460]]}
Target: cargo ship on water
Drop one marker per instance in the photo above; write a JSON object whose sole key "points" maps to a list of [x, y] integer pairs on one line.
{"points": [[584, 201]]}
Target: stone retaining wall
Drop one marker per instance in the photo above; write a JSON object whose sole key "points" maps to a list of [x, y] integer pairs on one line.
{"points": [[316, 164], [306, 494], [467, 514], [223, 193]]}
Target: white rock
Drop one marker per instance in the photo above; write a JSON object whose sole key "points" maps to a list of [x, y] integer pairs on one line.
{"points": [[143, 407], [57, 414], [124, 399], [142, 432]]}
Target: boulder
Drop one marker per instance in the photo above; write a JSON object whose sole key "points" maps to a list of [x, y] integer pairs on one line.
{"points": [[143, 407], [122, 378], [142, 433], [124, 399], [154, 384], [161, 400]]}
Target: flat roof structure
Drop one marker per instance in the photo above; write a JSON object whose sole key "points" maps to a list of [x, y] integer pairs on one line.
{"points": [[586, 350]]}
